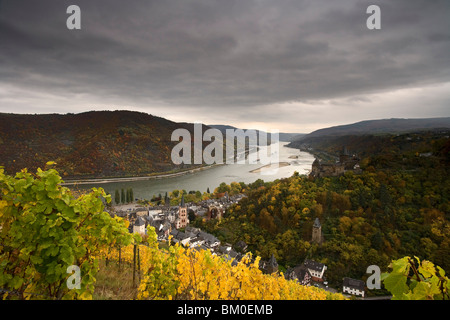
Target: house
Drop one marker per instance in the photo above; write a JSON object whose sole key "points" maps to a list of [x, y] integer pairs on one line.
{"points": [[241, 246], [224, 249], [141, 212], [235, 256], [316, 269], [269, 266], [299, 273], [209, 240], [196, 242], [228, 254], [192, 230], [200, 247], [353, 287], [162, 228], [180, 237], [139, 226], [154, 213], [171, 216]]}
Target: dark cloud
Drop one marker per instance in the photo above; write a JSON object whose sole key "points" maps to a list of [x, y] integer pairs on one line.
{"points": [[235, 56]]}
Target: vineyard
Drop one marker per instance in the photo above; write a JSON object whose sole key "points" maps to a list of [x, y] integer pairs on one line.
{"points": [[181, 273], [45, 230]]}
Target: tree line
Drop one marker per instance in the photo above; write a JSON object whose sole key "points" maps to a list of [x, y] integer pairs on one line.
{"points": [[124, 196]]}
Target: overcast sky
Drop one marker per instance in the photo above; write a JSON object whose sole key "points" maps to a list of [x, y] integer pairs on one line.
{"points": [[291, 65]]}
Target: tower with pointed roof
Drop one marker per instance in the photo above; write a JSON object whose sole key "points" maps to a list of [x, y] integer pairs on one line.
{"points": [[182, 219], [182, 201], [166, 201], [317, 232]]}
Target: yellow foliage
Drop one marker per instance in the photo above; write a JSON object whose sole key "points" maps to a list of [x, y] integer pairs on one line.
{"points": [[184, 273]]}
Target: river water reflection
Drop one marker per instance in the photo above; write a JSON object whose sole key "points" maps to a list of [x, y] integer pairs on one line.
{"points": [[211, 178]]}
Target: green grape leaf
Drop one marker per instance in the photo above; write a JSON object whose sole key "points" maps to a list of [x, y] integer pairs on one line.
{"points": [[401, 265], [396, 284], [425, 290]]}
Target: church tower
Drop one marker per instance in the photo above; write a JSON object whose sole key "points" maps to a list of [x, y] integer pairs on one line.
{"points": [[317, 232], [166, 201], [182, 214]]}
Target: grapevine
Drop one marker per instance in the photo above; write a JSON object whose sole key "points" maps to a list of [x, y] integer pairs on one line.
{"points": [[45, 229]]}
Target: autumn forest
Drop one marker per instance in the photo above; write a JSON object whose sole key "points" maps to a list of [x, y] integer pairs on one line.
{"points": [[398, 206]]}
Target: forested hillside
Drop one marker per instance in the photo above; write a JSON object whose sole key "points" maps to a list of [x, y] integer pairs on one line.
{"points": [[398, 206], [391, 150], [90, 144], [392, 126]]}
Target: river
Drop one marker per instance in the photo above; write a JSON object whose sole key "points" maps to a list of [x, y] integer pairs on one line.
{"points": [[292, 159]]}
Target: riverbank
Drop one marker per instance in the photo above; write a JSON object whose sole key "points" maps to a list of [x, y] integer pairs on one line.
{"points": [[139, 178]]}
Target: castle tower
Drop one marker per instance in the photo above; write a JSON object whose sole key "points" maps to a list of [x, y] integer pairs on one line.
{"points": [[345, 151], [344, 156], [317, 232], [315, 169], [139, 226]]}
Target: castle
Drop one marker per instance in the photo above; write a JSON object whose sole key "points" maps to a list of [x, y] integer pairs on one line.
{"points": [[345, 163]]}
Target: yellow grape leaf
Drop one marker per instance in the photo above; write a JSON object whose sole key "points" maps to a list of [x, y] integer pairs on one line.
{"points": [[427, 269]]}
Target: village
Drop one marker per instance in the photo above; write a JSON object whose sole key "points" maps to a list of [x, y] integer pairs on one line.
{"points": [[171, 222]]}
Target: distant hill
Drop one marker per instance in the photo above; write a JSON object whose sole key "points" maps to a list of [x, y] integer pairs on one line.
{"points": [[90, 144], [368, 137], [382, 126], [283, 136], [372, 127]]}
